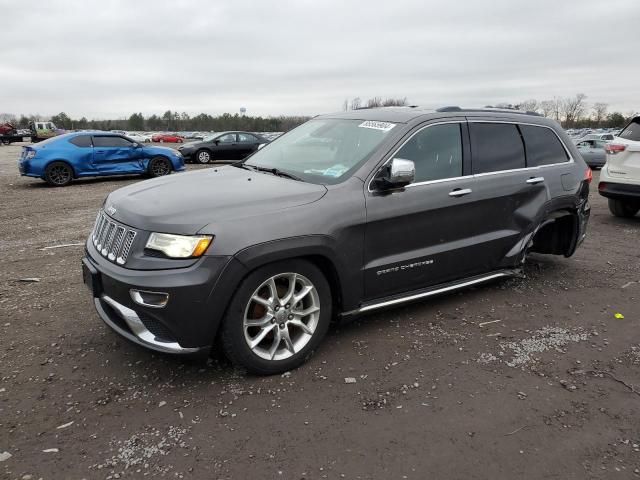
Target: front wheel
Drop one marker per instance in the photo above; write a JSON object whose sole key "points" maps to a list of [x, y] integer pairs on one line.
{"points": [[159, 167], [203, 156], [623, 209], [278, 316], [58, 174]]}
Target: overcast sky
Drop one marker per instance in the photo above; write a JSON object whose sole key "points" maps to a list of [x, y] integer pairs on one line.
{"points": [[107, 59]]}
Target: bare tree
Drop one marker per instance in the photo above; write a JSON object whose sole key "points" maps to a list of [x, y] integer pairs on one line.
{"points": [[355, 103], [530, 105], [600, 112], [345, 105], [374, 102], [573, 108], [547, 107], [394, 102]]}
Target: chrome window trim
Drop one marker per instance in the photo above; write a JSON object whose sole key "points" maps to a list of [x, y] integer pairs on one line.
{"points": [[497, 172]]}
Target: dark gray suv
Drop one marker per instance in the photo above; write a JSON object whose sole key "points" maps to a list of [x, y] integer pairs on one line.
{"points": [[346, 214]]}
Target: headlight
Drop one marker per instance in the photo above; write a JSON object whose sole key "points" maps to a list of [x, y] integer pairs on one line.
{"points": [[30, 154], [179, 246]]}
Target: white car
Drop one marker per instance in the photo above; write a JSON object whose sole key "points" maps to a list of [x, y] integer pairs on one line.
{"points": [[620, 177], [136, 137]]}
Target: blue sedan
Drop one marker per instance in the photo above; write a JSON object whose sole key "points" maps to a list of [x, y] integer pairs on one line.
{"points": [[60, 159]]}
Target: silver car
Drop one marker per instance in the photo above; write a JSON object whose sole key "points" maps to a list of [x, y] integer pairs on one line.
{"points": [[592, 151]]}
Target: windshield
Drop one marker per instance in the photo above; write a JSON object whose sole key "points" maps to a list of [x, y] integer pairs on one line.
{"points": [[208, 138], [323, 151]]}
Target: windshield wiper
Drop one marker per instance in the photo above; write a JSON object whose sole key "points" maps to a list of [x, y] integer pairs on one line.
{"points": [[274, 171], [243, 165]]}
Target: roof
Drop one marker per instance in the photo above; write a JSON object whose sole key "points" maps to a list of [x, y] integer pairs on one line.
{"points": [[407, 114]]}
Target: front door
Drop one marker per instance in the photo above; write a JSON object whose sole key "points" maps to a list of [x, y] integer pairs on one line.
{"points": [[115, 154], [423, 234], [227, 148]]}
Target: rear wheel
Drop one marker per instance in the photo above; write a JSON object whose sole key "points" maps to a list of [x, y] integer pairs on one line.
{"points": [[58, 174], [203, 156], [278, 316], [623, 209], [159, 167]]}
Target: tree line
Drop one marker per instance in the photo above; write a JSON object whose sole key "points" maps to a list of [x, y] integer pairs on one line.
{"points": [[169, 121], [573, 112]]}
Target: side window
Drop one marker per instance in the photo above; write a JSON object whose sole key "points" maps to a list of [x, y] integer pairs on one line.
{"points": [[228, 138], [496, 147], [542, 146], [81, 141], [111, 141], [631, 131], [436, 152], [246, 138]]}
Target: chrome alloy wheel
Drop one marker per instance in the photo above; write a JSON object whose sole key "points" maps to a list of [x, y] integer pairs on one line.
{"points": [[281, 316], [204, 157]]}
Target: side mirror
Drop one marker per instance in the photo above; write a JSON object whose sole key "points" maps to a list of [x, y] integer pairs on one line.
{"points": [[217, 142], [397, 174], [135, 144]]}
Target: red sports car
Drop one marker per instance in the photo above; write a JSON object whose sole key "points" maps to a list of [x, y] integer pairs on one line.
{"points": [[167, 138]]}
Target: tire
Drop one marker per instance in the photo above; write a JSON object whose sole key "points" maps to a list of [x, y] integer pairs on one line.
{"points": [[623, 209], [203, 156], [272, 353], [179, 141], [159, 167], [58, 174]]}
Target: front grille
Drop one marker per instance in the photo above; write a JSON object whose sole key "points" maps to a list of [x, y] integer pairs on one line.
{"points": [[111, 239]]}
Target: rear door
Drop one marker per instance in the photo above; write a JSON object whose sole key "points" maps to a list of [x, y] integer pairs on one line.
{"points": [[510, 194], [115, 154], [247, 144]]}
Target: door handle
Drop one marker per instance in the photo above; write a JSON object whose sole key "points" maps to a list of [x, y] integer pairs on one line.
{"points": [[99, 151], [459, 192], [534, 180]]}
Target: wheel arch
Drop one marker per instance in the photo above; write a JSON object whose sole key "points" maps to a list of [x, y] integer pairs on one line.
{"points": [[61, 160], [558, 233], [318, 250]]}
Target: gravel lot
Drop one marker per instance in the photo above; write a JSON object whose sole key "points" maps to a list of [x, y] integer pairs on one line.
{"points": [[524, 378]]}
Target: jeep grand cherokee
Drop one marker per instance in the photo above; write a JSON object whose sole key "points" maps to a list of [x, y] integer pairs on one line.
{"points": [[348, 213]]}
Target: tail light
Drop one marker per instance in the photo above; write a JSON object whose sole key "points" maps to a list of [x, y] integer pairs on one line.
{"points": [[602, 186], [613, 148], [588, 175]]}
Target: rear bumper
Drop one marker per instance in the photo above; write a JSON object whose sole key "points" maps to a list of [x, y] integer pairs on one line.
{"points": [[197, 301], [619, 191]]}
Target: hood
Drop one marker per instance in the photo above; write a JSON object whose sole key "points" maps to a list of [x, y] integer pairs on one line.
{"points": [[187, 202]]}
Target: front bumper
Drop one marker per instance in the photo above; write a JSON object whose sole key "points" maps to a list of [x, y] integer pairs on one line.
{"points": [[187, 155], [197, 300], [619, 191]]}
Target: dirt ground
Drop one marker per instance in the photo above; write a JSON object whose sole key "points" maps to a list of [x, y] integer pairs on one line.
{"points": [[525, 378]]}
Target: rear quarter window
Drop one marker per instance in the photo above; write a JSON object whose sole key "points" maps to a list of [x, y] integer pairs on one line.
{"points": [[632, 131], [542, 146], [496, 147], [81, 141]]}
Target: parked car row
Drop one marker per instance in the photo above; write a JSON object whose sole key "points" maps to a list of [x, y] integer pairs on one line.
{"points": [[222, 146]]}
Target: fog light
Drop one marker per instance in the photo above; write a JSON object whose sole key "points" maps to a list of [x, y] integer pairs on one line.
{"points": [[150, 299]]}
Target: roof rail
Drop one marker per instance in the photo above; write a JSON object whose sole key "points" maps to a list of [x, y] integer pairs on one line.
{"points": [[454, 108]]}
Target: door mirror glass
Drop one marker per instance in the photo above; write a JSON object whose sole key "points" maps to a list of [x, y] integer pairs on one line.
{"points": [[397, 174]]}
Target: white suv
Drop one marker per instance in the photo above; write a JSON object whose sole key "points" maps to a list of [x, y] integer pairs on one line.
{"points": [[620, 177]]}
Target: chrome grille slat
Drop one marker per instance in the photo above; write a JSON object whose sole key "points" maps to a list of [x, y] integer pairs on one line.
{"points": [[111, 239], [117, 243], [131, 235]]}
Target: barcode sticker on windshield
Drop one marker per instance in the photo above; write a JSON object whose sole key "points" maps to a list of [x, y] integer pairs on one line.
{"points": [[384, 126]]}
